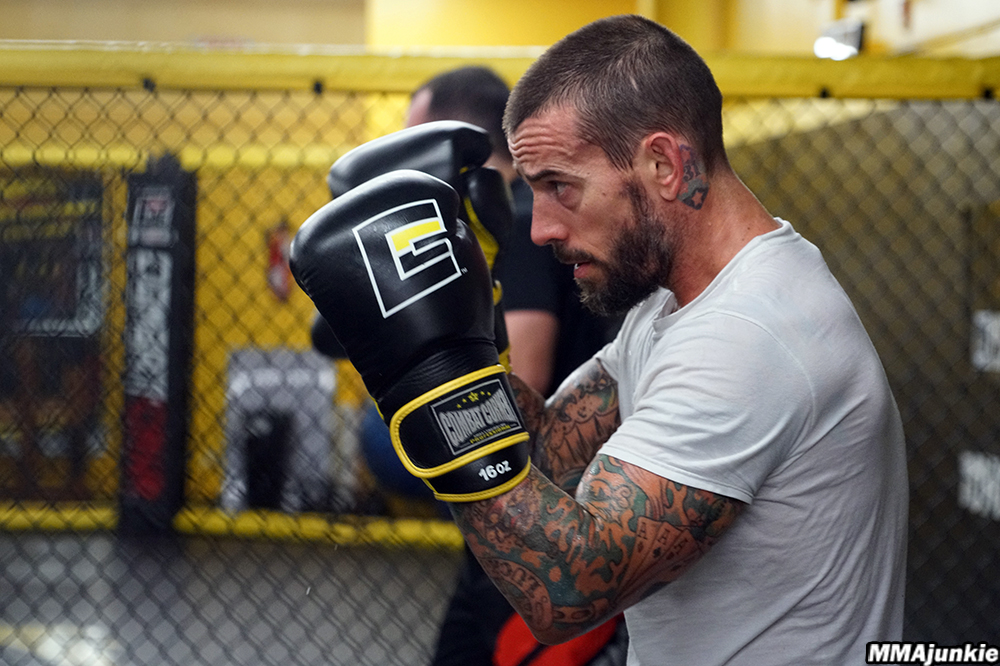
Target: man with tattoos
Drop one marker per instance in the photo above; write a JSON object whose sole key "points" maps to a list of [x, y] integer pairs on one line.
{"points": [[731, 469]]}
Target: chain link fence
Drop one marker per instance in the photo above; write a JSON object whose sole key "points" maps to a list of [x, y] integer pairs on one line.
{"points": [[156, 367]]}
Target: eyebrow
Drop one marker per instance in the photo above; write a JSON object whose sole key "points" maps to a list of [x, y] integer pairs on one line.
{"points": [[541, 175]]}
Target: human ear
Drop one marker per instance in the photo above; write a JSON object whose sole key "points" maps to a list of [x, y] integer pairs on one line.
{"points": [[679, 170], [665, 164]]}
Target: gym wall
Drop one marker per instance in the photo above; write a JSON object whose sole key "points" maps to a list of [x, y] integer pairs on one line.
{"points": [[889, 165]]}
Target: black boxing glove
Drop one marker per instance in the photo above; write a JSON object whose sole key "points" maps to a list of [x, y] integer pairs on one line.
{"points": [[405, 287], [453, 151], [487, 205], [323, 339]]}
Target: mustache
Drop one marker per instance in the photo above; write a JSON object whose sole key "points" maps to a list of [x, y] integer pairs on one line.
{"points": [[567, 255]]}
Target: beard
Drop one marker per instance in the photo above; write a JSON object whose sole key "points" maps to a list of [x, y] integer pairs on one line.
{"points": [[638, 264]]}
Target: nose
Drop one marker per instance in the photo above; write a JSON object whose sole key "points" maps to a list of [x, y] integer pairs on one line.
{"points": [[544, 226]]}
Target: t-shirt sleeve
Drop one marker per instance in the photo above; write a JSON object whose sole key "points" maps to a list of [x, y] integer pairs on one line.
{"points": [[716, 407]]}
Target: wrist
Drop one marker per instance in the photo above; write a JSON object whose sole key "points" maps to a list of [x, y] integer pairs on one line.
{"points": [[465, 436]]}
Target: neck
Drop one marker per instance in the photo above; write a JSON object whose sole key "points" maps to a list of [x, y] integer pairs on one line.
{"points": [[708, 239]]}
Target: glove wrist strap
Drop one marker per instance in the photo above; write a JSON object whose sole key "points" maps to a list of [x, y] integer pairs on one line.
{"points": [[471, 416]]}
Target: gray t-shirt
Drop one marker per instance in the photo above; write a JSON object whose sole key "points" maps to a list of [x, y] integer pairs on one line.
{"points": [[767, 389]]}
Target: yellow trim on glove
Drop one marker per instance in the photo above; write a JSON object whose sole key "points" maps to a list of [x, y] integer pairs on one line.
{"points": [[486, 240], [437, 392], [505, 352], [504, 355], [482, 494]]}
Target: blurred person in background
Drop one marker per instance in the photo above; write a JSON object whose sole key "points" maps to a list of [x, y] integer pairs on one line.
{"points": [[550, 334]]}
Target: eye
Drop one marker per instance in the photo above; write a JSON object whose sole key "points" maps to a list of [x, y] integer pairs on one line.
{"points": [[564, 193]]}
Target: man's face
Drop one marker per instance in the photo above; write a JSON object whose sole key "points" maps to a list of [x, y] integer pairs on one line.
{"points": [[596, 217]]}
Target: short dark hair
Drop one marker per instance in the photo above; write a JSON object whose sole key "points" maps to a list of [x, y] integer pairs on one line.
{"points": [[472, 94], [626, 77]]}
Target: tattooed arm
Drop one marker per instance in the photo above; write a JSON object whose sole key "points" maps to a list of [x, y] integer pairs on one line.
{"points": [[568, 430], [583, 538], [568, 564]]}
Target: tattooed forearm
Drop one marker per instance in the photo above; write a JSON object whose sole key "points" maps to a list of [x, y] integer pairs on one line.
{"points": [[530, 402], [566, 565], [570, 428]]}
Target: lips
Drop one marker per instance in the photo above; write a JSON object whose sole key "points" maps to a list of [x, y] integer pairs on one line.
{"points": [[567, 256]]}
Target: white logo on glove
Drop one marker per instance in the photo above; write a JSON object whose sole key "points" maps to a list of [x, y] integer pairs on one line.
{"points": [[412, 237]]}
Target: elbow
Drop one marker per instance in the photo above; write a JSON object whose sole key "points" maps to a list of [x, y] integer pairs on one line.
{"points": [[549, 636], [552, 634]]}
